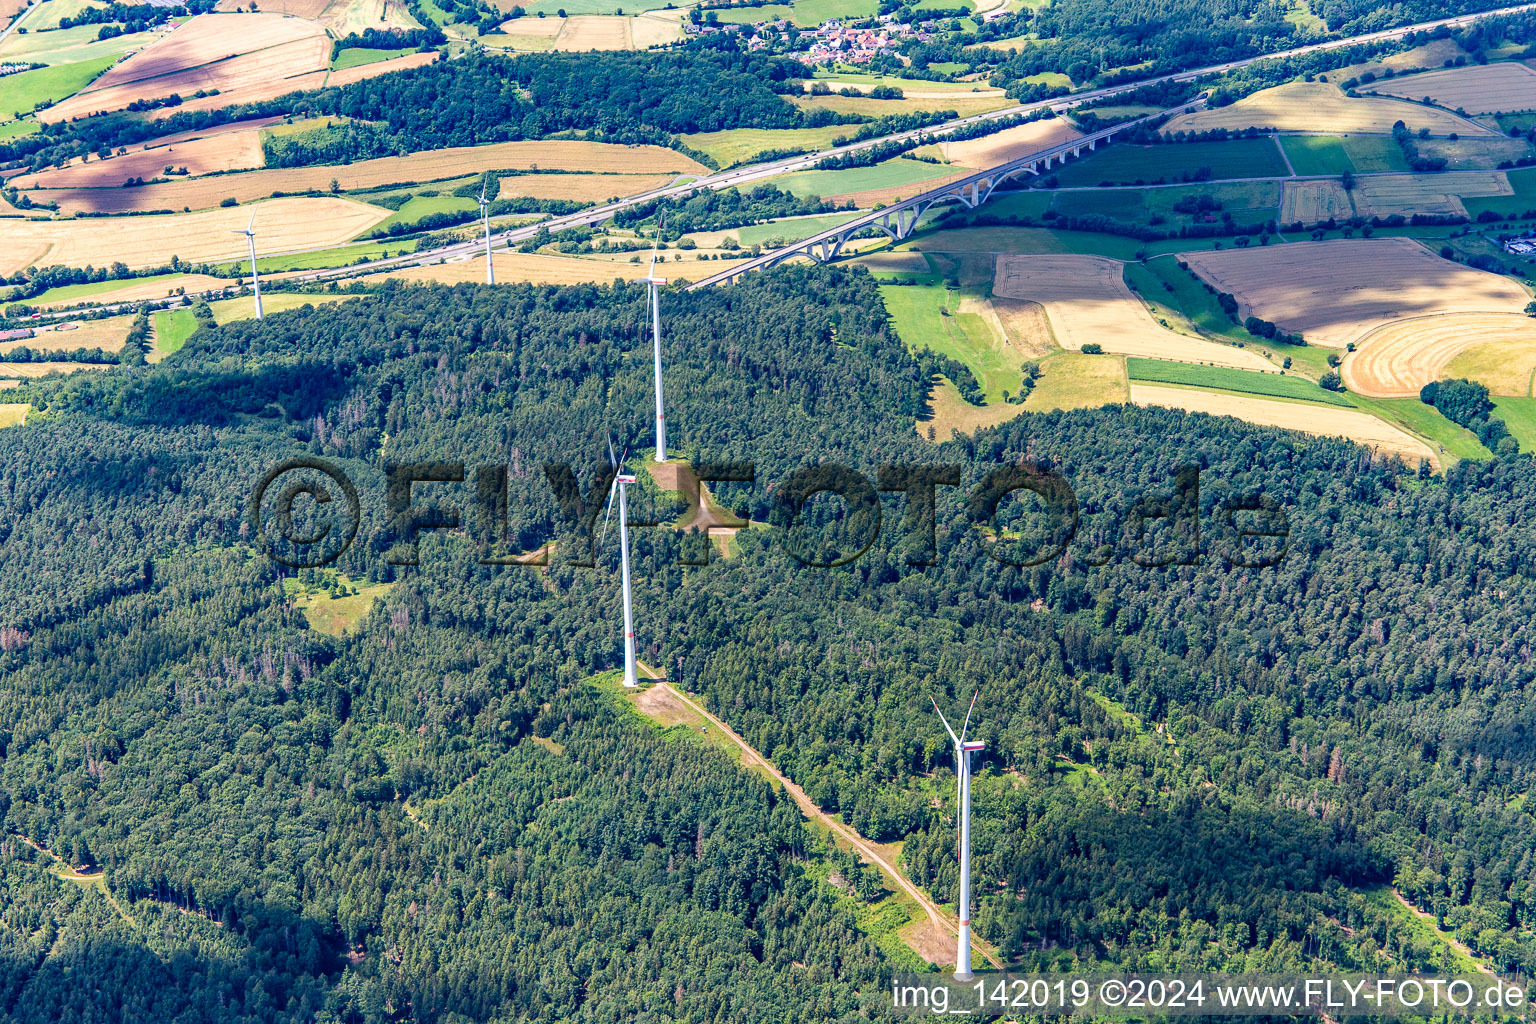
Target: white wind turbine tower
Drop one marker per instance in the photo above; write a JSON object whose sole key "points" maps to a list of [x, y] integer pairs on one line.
{"points": [[485, 219], [250, 236], [652, 284], [621, 482], [963, 750]]}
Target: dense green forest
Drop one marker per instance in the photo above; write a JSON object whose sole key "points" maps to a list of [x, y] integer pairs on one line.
{"points": [[437, 817]]}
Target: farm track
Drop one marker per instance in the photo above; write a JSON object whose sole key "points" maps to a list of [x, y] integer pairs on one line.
{"points": [[871, 852]]}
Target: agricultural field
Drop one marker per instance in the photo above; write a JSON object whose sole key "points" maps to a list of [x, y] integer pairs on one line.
{"points": [[580, 32], [39, 87], [107, 334], [246, 57], [72, 45], [243, 308], [1407, 194], [1312, 202], [1313, 107], [742, 145], [1271, 384], [1427, 57], [1316, 154], [1008, 144], [1504, 359], [282, 225], [803, 13], [1504, 87], [1087, 300], [534, 268], [789, 229], [139, 289], [1123, 164], [1307, 417], [908, 177], [1475, 154], [14, 414], [962, 104], [1247, 201], [634, 169], [1335, 292], [225, 151], [1522, 182], [357, 56]]}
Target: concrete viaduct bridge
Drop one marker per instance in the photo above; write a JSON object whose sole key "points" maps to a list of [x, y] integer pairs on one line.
{"points": [[900, 219]]}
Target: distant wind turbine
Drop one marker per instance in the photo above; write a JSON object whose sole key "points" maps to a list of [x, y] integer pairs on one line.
{"points": [[485, 219], [621, 482], [963, 750], [250, 236], [653, 295]]}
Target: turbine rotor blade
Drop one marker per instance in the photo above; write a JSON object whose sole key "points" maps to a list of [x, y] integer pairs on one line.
{"points": [[613, 490], [655, 243], [252, 224], [945, 721], [967, 726]]}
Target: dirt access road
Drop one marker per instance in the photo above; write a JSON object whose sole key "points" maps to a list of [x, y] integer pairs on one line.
{"points": [[939, 922]]}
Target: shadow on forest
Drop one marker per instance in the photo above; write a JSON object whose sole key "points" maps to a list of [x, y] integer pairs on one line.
{"points": [[288, 971], [215, 397]]}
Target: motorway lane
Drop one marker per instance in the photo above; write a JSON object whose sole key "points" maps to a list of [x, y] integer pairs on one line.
{"points": [[756, 172]]}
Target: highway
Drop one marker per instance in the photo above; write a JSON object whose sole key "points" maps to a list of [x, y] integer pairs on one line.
{"points": [[16, 21], [738, 176]]}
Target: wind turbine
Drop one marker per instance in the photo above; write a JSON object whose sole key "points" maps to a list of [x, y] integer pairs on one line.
{"points": [[250, 236], [652, 283], [963, 750], [621, 481], [485, 219]]}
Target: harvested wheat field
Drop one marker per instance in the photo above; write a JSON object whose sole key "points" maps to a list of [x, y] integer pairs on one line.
{"points": [[595, 32], [1316, 107], [554, 155], [282, 225], [1307, 417], [1382, 195], [246, 57], [653, 28], [1009, 144], [346, 76], [587, 188], [533, 268], [1476, 88], [1313, 201], [1025, 325], [1397, 360], [232, 151], [1086, 300], [29, 370], [146, 290], [1337, 291], [108, 334]]}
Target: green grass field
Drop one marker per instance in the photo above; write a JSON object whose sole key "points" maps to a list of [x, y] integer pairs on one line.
{"points": [[1162, 281], [1519, 415], [740, 145], [1132, 165], [70, 292], [790, 230], [890, 174], [335, 615], [1523, 181], [14, 414], [172, 329], [553, 7], [1222, 378], [1316, 154], [17, 129], [323, 259], [1025, 240], [1427, 422], [422, 206], [926, 316], [70, 45], [32, 89], [1370, 153], [803, 13], [356, 56]]}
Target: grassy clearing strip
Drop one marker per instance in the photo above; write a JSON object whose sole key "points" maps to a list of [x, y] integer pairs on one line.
{"points": [[1223, 378], [172, 329], [1425, 421], [1519, 415], [1386, 898]]}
